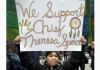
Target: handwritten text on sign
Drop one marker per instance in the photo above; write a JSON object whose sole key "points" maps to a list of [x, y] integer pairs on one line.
{"points": [[50, 25]]}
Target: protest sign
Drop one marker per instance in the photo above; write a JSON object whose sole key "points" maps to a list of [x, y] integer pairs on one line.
{"points": [[50, 25]]}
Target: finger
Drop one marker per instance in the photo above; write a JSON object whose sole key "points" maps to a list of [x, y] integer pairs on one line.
{"points": [[17, 38]]}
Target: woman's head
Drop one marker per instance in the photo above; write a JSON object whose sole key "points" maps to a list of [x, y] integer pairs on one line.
{"points": [[52, 58]]}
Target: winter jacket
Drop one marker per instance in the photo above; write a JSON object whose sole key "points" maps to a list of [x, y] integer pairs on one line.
{"points": [[47, 67]]}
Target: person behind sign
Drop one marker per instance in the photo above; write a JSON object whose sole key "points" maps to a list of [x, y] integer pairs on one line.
{"points": [[76, 58], [51, 61], [28, 59]]}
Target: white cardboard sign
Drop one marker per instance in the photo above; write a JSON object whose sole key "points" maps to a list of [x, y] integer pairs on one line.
{"points": [[50, 25]]}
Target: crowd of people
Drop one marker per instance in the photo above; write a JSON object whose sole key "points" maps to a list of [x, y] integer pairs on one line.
{"points": [[17, 60]]}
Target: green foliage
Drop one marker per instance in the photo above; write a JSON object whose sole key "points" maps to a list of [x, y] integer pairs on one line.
{"points": [[12, 33], [12, 23], [89, 9]]}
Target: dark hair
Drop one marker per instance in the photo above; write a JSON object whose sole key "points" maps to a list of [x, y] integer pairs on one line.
{"points": [[10, 45], [49, 52]]}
